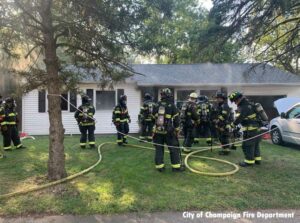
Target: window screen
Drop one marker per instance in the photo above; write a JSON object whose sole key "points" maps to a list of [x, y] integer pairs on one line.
{"points": [[42, 101], [105, 100], [209, 93], [90, 93], [64, 103], [73, 101], [183, 95]]}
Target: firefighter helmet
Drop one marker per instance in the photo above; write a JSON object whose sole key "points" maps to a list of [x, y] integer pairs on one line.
{"points": [[221, 95], [193, 95], [147, 96], [202, 99], [85, 99], [235, 96], [166, 93]]}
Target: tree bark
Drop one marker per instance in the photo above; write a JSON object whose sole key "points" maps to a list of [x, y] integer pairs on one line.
{"points": [[56, 162]]}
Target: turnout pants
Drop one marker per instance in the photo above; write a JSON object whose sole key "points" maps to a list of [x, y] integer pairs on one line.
{"points": [[188, 138], [224, 140], [123, 130], [251, 147], [203, 131], [171, 140], [87, 132], [11, 134], [147, 129]]}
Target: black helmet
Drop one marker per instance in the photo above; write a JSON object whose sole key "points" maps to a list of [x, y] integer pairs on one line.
{"points": [[85, 99], [166, 93], [221, 95], [123, 100], [123, 97], [202, 99], [9, 100], [147, 96], [235, 96]]}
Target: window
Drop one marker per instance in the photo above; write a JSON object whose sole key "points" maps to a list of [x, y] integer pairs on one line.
{"points": [[153, 91], [42, 101], [119, 93], [183, 95], [90, 93], [105, 100], [73, 101], [64, 103], [294, 113], [209, 93]]}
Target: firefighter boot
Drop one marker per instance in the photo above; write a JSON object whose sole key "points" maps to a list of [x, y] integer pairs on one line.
{"points": [[244, 164], [180, 169]]}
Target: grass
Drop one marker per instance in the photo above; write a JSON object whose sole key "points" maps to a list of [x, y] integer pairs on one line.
{"points": [[126, 181]]}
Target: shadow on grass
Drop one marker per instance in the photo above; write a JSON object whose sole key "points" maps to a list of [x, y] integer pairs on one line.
{"points": [[127, 181]]}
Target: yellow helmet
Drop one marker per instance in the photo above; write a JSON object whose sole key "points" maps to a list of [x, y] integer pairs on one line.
{"points": [[194, 95]]}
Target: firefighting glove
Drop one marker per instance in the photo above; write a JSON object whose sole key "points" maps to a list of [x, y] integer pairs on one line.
{"points": [[4, 128]]}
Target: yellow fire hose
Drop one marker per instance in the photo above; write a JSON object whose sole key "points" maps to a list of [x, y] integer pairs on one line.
{"points": [[236, 168]]}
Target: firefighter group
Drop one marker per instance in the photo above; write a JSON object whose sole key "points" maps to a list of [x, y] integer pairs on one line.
{"points": [[163, 122]]}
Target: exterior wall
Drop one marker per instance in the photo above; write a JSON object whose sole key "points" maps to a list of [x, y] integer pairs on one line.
{"points": [[36, 123]]}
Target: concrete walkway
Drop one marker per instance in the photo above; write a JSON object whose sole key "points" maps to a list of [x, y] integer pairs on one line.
{"points": [[274, 216]]}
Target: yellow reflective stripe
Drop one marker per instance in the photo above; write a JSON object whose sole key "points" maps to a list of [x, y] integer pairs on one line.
{"points": [[82, 144], [224, 112], [92, 143], [159, 166], [252, 116], [258, 158], [125, 137], [12, 114], [90, 113], [176, 166], [249, 161], [86, 124], [8, 123], [221, 117], [177, 129], [117, 119], [249, 128], [20, 145], [189, 113], [119, 140], [117, 112], [142, 108], [168, 116], [80, 114], [124, 120]]}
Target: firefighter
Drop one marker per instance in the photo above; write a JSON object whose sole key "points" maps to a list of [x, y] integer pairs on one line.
{"points": [[121, 118], [204, 112], [146, 118], [166, 130], [223, 122], [190, 119], [248, 118], [9, 125], [86, 122]]}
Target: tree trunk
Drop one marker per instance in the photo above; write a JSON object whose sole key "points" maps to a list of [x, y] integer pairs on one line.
{"points": [[56, 162]]}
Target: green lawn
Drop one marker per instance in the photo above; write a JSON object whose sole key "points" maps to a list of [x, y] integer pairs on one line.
{"points": [[126, 181]]}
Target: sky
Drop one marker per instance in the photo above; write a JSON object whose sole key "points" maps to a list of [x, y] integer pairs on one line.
{"points": [[206, 3]]}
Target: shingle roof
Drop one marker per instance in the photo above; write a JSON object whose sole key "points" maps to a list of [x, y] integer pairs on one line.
{"points": [[208, 74]]}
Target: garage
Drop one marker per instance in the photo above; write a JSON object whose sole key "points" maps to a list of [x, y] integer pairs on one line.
{"points": [[268, 103]]}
